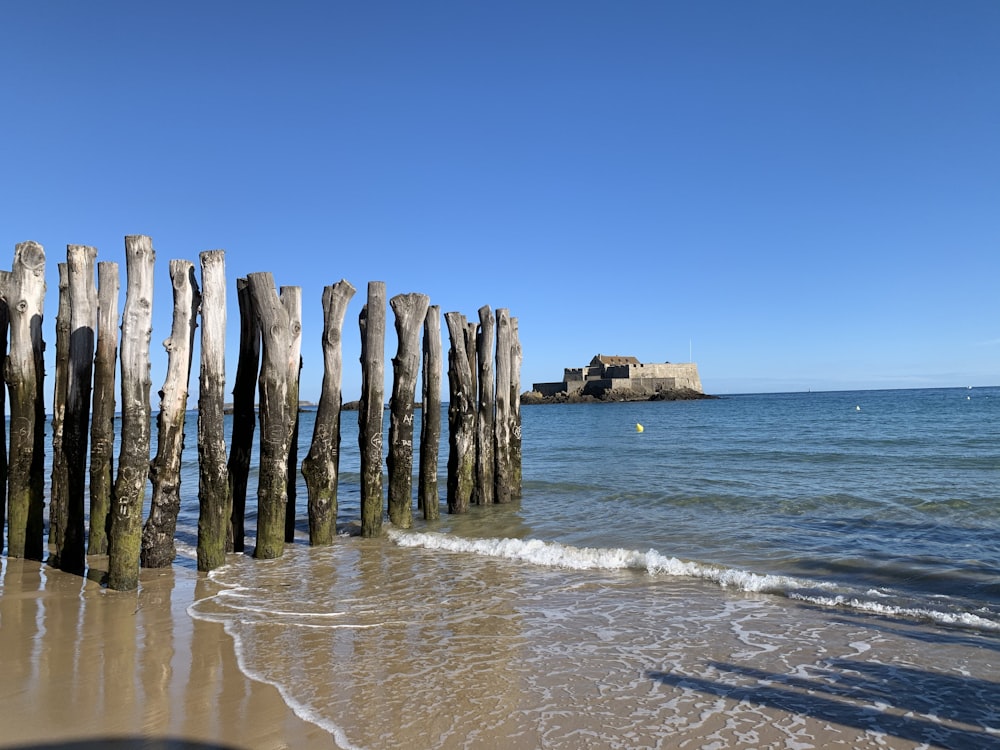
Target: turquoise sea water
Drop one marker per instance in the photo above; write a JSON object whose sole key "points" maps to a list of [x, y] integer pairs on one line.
{"points": [[784, 570]]}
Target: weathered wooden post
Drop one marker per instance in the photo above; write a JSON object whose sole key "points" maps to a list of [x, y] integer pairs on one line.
{"points": [[504, 473], [133, 460], [484, 491], [23, 289], [59, 482], [215, 509], [321, 467], [4, 325], [515, 401], [275, 421], [410, 311], [102, 422], [461, 418], [244, 413], [430, 416], [158, 548], [372, 324], [83, 314], [291, 300]]}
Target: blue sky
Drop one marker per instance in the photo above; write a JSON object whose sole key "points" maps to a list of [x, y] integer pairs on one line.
{"points": [[800, 195]]}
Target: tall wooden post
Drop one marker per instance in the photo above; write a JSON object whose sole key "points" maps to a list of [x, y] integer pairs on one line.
{"points": [[321, 467], [158, 548], [515, 402], [23, 289], [410, 311], [275, 421], [484, 492], [461, 418], [504, 471], [133, 461], [291, 300], [370, 412], [213, 475], [430, 416], [59, 482], [244, 414], [83, 315], [102, 422], [4, 325]]}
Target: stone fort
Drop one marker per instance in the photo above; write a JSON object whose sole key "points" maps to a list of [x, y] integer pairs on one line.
{"points": [[607, 373]]}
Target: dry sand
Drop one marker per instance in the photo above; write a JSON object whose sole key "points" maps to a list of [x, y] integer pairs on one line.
{"points": [[84, 667]]}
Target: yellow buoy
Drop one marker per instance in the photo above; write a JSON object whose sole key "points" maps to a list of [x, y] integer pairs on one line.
{"points": [[638, 427]]}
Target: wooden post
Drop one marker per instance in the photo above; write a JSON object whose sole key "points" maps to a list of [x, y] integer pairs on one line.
{"points": [[410, 311], [214, 504], [461, 418], [4, 325], [133, 460], [275, 421], [430, 416], [484, 493], [59, 482], [158, 549], [321, 467], [291, 300], [83, 315], [244, 414], [23, 289], [102, 423], [504, 477], [372, 323], [515, 402]]}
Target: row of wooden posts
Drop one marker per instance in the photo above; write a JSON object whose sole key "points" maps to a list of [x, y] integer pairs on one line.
{"points": [[484, 437]]}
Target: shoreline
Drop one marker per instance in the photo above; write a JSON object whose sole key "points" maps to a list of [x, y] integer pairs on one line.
{"points": [[88, 667]]}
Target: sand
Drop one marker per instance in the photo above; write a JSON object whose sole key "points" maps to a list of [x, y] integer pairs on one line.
{"points": [[85, 667]]}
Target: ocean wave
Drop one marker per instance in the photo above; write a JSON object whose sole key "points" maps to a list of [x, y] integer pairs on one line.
{"points": [[654, 563]]}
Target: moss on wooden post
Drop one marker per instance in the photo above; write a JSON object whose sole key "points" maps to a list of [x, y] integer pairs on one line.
{"points": [[410, 312], [321, 467], [484, 492], [102, 421], [23, 289], [158, 547], [213, 475], [370, 411], [244, 413], [461, 418], [133, 461], [428, 499]]}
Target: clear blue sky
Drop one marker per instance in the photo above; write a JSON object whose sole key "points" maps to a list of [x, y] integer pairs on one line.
{"points": [[800, 194]]}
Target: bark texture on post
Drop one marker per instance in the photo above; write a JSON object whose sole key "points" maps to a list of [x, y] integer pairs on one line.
{"points": [[4, 325], [158, 548], [23, 289], [487, 404], [213, 475], [291, 300], [102, 422], [461, 418], [370, 411], [83, 315], [410, 311], [428, 499], [502, 447], [244, 414], [133, 461], [321, 467], [515, 403], [275, 421], [59, 482]]}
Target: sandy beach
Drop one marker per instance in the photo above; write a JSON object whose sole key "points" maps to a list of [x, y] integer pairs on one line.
{"points": [[83, 666]]}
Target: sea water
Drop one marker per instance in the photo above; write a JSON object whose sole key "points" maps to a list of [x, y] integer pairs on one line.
{"points": [[736, 567]]}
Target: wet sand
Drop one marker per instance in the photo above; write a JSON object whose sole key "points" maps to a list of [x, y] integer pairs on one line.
{"points": [[84, 667]]}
